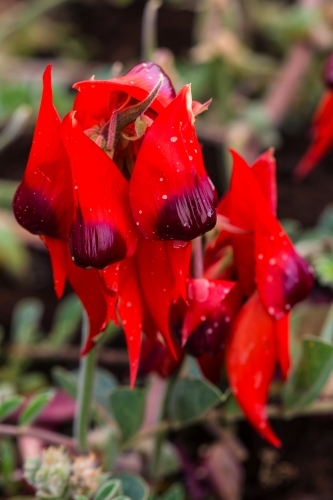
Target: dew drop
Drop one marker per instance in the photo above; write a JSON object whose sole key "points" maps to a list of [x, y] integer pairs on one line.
{"points": [[174, 139], [272, 262], [260, 256], [165, 197], [271, 311], [161, 179], [140, 211], [203, 318], [128, 304]]}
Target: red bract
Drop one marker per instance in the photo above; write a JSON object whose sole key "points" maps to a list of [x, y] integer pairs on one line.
{"points": [[105, 182]]}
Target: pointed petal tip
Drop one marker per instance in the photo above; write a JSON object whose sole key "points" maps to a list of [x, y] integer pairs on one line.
{"points": [[267, 433]]}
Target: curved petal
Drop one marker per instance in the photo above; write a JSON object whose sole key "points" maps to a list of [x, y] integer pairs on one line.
{"points": [[103, 230], [250, 361], [211, 366], [94, 95], [282, 339], [169, 166], [43, 203], [58, 255], [87, 285], [158, 284], [322, 140], [264, 170], [130, 312], [283, 277]]}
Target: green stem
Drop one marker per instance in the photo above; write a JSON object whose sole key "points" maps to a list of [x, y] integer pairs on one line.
{"points": [[85, 391]]}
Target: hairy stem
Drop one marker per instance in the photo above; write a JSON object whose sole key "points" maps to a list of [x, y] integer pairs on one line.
{"points": [[85, 390]]}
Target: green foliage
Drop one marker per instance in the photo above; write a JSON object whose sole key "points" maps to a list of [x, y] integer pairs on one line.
{"points": [[309, 375], [35, 406], [25, 321], [10, 404], [133, 486], [66, 321], [127, 407], [109, 490], [175, 492], [191, 398]]}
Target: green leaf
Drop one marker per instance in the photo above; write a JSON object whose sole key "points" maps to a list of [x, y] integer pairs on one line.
{"points": [[66, 320], [66, 380], [109, 490], [175, 492], [310, 374], [25, 322], [80, 497], [9, 405], [191, 398], [134, 486], [127, 406], [35, 407], [104, 383], [122, 497], [7, 463]]}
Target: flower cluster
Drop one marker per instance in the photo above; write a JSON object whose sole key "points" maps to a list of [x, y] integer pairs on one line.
{"points": [[239, 310], [117, 190]]}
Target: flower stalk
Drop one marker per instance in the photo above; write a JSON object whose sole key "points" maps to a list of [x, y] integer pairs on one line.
{"points": [[85, 391]]}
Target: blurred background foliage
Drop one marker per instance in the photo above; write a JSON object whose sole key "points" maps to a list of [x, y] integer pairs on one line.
{"points": [[262, 63]]}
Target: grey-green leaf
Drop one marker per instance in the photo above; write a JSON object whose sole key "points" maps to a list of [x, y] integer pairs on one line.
{"points": [[175, 492], [9, 404], [127, 406], [25, 322], [310, 375], [109, 490], [190, 398], [35, 407], [66, 320], [134, 486], [66, 380]]}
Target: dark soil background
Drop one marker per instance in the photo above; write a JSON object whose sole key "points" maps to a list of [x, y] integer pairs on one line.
{"points": [[303, 469]]}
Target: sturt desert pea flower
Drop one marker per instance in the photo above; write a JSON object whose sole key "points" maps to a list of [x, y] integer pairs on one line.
{"points": [[114, 189], [322, 128], [273, 278]]}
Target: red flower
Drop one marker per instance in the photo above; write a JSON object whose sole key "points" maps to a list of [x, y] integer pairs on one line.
{"points": [[322, 128], [109, 188], [270, 273]]}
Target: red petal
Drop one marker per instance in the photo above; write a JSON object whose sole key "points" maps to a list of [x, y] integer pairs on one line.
{"points": [[130, 312], [250, 361], [282, 337], [87, 285], [156, 357], [181, 201], [159, 287], [43, 203], [58, 254], [323, 137], [94, 95], [103, 231], [283, 277], [179, 255], [264, 170], [211, 366]]}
